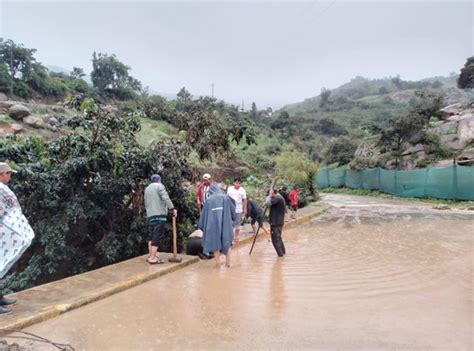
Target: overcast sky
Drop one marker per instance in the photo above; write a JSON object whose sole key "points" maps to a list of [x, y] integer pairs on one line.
{"points": [[272, 53]]}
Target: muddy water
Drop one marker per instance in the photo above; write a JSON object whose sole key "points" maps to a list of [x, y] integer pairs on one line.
{"points": [[359, 277]]}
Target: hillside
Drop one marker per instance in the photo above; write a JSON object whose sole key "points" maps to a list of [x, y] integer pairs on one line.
{"points": [[348, 115]]}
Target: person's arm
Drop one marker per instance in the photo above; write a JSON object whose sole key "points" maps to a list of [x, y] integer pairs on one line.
{"points": [[198, 198], [166, 198]]}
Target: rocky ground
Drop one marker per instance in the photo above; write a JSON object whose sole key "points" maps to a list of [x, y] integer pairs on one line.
{"points": [[31, 118]]}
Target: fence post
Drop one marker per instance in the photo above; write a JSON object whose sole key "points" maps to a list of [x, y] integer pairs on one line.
{"points": [[380, 185], [427, 174], [396, 183], [455, 181], [327, 176]]}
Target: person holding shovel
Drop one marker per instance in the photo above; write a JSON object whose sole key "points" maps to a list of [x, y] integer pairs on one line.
{"points": [[157, 206], [277, 219], [216, 221]]}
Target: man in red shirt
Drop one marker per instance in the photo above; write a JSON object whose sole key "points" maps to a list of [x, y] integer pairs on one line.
{"points": [[293, 197]]}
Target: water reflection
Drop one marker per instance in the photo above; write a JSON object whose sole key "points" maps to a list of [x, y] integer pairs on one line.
{"points": [[277, 294]]}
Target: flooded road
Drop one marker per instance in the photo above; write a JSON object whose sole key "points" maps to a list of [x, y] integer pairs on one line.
{"points": [[368, 274]]}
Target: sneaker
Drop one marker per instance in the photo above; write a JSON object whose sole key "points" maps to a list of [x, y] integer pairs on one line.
{"points": [[6, 301], [5, 310]]}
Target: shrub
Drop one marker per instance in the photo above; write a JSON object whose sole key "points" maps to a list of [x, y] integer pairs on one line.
{"points": [[83, 193], [340, 150], [21, 89]]}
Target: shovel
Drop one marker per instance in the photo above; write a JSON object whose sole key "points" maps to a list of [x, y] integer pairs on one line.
{"points": [[174, 258]]}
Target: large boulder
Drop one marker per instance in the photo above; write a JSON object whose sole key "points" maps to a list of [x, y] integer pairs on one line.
{"points": [[466, 130], [466, 158], [5, 106], [3, 97], [414, 149], [447, 128], [34, 122], [59, 109], [451, 109], [17, 112], [452, 141]]}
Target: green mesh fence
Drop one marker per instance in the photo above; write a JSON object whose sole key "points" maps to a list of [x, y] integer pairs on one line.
{"points": [[456, 182]]}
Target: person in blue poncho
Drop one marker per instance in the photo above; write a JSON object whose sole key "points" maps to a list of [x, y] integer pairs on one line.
{"points": [[215, 221]]}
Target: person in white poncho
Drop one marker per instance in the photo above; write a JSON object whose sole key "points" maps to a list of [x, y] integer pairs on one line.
{"points": [[15, 231]]}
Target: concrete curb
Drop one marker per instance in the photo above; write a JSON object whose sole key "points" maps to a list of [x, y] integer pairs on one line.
{"points": [[18, 321]]}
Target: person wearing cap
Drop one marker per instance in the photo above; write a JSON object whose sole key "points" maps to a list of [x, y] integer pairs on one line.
{"points": [[203, 191], [157, 206], [16, 234]]}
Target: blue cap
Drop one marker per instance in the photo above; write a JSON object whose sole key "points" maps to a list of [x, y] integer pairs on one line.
{"points": [[155, 177]]}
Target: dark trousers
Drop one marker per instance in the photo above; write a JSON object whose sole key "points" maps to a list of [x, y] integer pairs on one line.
{"points": [[277, 241]]}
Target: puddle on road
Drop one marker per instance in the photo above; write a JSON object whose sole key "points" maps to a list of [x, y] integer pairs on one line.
{"points": [[354, 278]]}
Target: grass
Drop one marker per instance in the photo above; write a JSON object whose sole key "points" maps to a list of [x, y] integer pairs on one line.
{"points": [[6, 119], [375, 193], [152, 129]]}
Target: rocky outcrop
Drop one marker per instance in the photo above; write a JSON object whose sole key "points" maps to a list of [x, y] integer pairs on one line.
{"points": [[455, 133], [466, 158], [3, 97], [451, 110], [17, 112], [5, 106], [466, 129]]}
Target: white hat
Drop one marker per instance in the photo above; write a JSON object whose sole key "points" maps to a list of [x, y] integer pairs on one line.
{"points": [[5, 168], [206, 176]]}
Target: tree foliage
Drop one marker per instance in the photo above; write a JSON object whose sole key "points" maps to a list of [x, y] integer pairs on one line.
{"points": [[296, 168], [403, 129], [82, 192], [22, 75], [329, 127], [339, 150], [466, 78], [111, 77], [325, 94], [209, 126]]}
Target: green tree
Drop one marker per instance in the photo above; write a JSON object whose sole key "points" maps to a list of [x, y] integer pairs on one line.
{"points": [[6, 82], [325, 94], [111, 77], [329, 127], [296, 168], [17, 58], [77, 73], [254, 112], [340, 150], [466, 78], [209, 126]]}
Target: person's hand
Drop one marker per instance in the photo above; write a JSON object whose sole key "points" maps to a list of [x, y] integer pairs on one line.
{"points": [[175, 212]]}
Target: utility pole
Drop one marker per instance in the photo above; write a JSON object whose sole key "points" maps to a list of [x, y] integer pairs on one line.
{"points": [[212, 87], [242, 105]]}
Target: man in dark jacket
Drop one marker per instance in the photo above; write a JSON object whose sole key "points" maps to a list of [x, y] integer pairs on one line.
{"points": [[277, 219]]}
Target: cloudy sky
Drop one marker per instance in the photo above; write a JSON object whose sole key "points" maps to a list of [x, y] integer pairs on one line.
{"points": [[268, 52]]}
